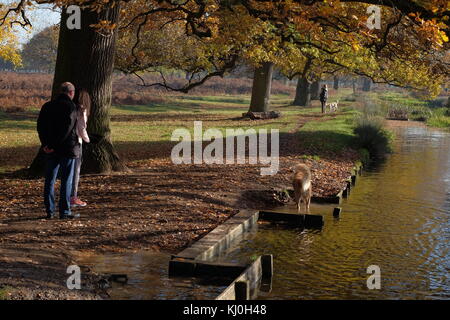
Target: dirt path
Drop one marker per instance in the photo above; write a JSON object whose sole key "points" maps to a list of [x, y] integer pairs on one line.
{"points": [[399, 123], [157, 206]]}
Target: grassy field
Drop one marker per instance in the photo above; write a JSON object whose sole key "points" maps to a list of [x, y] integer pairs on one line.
{"points": [[157, 122], [138, 126], [433, 112], [133, 125]]}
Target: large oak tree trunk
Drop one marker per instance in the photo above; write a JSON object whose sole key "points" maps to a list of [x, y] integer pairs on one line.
{"points": [[335, 82], [302, 93], [86, 58], [262, 83]]}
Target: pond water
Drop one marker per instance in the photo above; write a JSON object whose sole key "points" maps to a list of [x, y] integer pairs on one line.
{"points": [[397, 217], [148, 277]]}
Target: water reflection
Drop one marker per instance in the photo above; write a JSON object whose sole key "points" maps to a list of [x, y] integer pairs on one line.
{"points": [[148, 277], [397, 217]]}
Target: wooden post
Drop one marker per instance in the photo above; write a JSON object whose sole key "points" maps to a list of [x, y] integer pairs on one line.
{"points": [[313, 221], [242, 290], [267, 265], [337, 212]]}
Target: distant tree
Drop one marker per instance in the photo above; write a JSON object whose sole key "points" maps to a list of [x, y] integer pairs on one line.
{"points": [[253, 30], [367, 84], [6, 65], [336, 82], [40, 52]]}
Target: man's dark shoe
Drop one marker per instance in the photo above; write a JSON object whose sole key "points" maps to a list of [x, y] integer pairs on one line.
{"points": [[69, 216], [50, 215]]}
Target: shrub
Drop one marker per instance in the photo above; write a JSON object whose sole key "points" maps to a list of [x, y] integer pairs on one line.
{"points": [[447, 112], [398, 113], [421, 114], [372, 108], [372, 136], [417, 113], [364, 155]]}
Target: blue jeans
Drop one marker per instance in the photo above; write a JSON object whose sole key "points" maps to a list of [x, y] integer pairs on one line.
{"points": [[54, 164]]}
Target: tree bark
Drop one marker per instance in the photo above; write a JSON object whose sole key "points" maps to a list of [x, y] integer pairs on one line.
{"points": [[367, 84], [262, 84], [86, 58], [302, 93], [315, 90], [335, 82]]}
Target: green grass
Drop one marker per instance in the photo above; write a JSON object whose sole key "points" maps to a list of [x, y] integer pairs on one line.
{"points": [[332, 135], [132, 124], [17, 131], [400, 98], [431, 112], [439, 122], [156, 122]]}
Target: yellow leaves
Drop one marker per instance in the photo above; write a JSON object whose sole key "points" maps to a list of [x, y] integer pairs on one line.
{"points": [[9, 46], [238, 32], [356, 46]]}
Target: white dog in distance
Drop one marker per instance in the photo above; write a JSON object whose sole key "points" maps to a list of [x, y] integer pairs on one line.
{"points": [[333, 106]]}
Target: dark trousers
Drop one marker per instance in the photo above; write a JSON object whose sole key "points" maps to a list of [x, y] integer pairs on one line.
{"points": [[324, 105], [57, 163]]}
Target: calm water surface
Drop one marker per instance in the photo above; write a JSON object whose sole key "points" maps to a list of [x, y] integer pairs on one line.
{"points": [[397, 217], [148, 277]]}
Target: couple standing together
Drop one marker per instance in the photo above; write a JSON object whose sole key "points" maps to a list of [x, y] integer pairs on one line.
{"points": [[62, 129]]}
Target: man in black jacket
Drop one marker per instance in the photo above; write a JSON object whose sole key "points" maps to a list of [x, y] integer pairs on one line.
{"points": [[56, 127]]}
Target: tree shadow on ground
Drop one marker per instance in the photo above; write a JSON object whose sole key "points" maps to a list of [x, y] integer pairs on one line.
{"points": [[325, 144], [40, 273]]}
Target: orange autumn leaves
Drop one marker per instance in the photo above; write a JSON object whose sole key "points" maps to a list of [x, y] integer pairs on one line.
{"points": [[201, 36]]}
